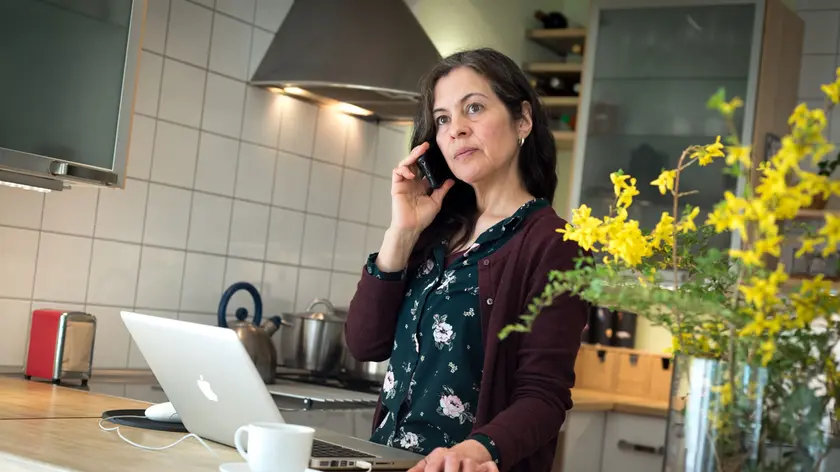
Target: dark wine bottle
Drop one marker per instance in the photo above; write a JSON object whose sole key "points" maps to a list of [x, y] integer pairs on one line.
{"points": [[552, 20]]}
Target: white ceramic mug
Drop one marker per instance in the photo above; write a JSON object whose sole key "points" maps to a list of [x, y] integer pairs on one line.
{"points": [[275, 447]]}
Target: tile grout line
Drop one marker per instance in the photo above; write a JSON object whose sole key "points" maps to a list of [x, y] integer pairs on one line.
{"points": [[276, 155], [34, 276], [149, 184], [92, 244], [247, 141], [195, 167], [236, 176], [340, 201], [175, 249]]}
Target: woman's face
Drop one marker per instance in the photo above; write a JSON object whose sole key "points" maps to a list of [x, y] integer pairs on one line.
{"points": [[474, 130]]}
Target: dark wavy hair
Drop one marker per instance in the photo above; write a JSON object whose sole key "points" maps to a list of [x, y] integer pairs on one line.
{"points": [[537, 156]]}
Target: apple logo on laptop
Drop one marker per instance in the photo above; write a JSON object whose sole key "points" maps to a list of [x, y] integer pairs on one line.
{"points": [[206, 389]]}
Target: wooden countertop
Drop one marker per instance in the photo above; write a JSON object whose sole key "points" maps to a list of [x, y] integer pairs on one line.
{"points": [[20, 399], [60, 427], [79, 445], [593, 400]]}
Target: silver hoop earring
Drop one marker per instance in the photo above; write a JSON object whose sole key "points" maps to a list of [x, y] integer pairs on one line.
{"points": [[521, 141]]}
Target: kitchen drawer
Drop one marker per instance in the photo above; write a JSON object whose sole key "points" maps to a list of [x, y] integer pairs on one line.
{"points": [[633, 443]]}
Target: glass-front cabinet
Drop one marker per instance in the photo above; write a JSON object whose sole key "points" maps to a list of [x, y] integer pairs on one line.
{"points": [[649, 69], [67, 88]]}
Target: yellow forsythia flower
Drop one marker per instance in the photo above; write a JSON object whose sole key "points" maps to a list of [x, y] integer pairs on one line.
{"points": [[665, 181]]}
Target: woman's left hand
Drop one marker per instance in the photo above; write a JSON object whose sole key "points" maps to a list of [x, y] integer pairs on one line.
{"points": [[468, 456]]}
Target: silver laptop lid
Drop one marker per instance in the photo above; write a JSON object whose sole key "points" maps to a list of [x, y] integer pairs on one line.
{"points": [[206, 374]]}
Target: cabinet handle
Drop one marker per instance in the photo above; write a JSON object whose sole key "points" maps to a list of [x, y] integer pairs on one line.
{"points": [[628, 446]]}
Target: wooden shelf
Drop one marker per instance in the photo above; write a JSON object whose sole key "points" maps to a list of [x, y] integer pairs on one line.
{"points": [[553, 68], [564, 140], [559, 102], [806, 214], [558, 40]]}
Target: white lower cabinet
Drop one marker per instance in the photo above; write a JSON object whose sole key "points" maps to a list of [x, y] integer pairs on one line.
{"points": [[633, 443], [584, 435]]}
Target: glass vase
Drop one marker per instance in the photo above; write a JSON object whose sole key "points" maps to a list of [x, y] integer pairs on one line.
{"points": [[715, 417]]}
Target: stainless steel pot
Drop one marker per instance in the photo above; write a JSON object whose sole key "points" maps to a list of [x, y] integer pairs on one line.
{"points": [[369, 371], [312, 340]]}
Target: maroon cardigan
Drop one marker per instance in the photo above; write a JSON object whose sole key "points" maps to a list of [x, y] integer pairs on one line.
{"points": [[525, 388]]}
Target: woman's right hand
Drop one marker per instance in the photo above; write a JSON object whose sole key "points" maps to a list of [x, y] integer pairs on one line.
{"points": [[412, 207]]}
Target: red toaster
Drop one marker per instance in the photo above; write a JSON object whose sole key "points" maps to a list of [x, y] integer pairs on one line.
{"points": [[60, 346]]}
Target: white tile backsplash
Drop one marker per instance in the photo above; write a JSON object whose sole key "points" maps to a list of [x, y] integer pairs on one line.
{"points": [[188, 36], [157, 17], [71, 211], [285, 236], [16, 315], [209, 223], [380, 202], [391, 148], [182, 93], [248, 230], [216, 170], [240, 270], [63, 268], [109, 351], [297, 128], [318, 241], [114, 269], [25, 212], [312, 284], [278, 289], [203, 277], [361, 145], [224, 103], [330, 136], [291, 182], [349, 247], [289, 212], [242, 9], [159, 285], [148, 83], [261, 123], [255, 173], [324, 189], [175, 154], [230, 46], [18, 253], [355, 196], [141, 147], [121, 212], [167, 217]]}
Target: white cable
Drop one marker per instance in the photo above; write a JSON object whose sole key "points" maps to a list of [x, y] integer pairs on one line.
{"points": [[150, 448], [367, 466]]}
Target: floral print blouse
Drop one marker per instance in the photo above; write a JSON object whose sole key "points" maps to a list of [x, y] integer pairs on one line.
{"points": [[431, 386]]}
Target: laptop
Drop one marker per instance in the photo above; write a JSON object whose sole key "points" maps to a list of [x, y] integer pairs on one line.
{"points": [[214, 386]]}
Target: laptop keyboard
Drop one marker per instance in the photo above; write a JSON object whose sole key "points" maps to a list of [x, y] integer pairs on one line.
{"points": [[324, 449]]}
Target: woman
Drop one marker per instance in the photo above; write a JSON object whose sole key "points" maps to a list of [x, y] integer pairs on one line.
{"points": [[459, 263]]}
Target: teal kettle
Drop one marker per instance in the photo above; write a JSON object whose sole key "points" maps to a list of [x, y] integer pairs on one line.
{"points": [[255, 337]]}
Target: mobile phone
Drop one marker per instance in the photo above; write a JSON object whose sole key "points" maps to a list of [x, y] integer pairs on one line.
{"points": [[434, 168]]}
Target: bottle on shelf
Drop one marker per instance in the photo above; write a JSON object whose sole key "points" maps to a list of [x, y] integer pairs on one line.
{"points": [[552, 20], [555, 86]]}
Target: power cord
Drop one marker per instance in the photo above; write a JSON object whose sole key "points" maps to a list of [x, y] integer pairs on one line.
{"points": [[364, 465], [151, 448]]}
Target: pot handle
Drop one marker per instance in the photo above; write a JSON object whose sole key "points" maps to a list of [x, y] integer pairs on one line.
{"points": [[321, 301]]}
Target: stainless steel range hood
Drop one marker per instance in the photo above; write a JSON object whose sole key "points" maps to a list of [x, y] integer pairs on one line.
{"points": [[368, 53]]}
